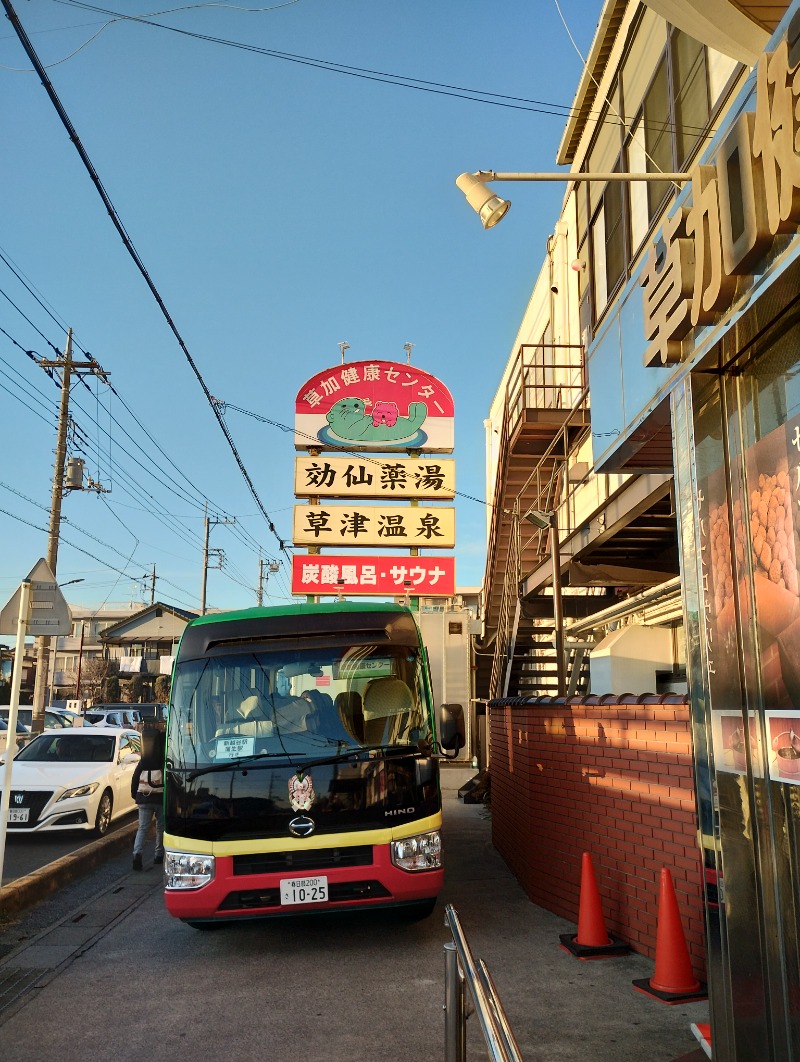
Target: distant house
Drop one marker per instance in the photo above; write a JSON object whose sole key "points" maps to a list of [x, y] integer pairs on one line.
{"points": [[75, 655], [145, 643], [123, 642]]}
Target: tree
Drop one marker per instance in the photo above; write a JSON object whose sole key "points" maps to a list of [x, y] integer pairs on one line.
{"points": [[136, 689], [96, 672], [162, 689], [112, 693]]}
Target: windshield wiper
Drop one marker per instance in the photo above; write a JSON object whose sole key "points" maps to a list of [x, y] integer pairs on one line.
{"points": [[244, 760], [306, 765], [396, 748]]}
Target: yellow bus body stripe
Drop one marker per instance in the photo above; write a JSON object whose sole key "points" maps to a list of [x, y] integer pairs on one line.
{"points": [[279, 844]]}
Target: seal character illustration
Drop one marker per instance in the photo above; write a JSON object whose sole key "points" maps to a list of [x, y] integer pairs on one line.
{"points": [[348, 419]]}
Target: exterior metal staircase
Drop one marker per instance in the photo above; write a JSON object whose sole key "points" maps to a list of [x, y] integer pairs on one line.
{"points": [[533, 671]]}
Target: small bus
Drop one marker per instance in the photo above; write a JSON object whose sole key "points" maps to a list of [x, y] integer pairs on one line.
{"points": [[302, 765]]}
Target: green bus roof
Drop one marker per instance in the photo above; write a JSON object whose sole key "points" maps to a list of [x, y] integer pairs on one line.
{"points": [[300, 610]]}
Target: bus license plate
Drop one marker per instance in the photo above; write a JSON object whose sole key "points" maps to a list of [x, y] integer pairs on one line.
{"points": [[18, 814], [304, 890]]}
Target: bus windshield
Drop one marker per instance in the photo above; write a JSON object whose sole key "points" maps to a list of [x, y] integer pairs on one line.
{"points": [[309, 702]]}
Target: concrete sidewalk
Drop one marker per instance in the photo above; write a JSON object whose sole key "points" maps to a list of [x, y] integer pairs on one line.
{"points": [[559, 1007], [329, 989]]}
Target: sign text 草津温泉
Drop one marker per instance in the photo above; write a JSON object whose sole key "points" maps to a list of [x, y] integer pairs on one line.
{"points": [[372, 525]]}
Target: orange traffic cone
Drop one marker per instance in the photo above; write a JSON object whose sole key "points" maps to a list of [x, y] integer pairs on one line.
{"points": [[592, 940], [673, 980]]}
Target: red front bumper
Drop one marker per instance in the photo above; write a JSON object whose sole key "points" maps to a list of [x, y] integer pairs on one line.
{"points": [[234, 896]]}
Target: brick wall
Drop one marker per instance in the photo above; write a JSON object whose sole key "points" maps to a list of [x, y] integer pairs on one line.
{"points": [[611, 776]]}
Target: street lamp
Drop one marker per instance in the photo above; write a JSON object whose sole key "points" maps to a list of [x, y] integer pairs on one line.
{"points": [[545, 521], [490, 208]]}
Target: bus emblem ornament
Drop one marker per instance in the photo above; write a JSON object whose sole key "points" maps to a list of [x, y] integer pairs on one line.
{"points": [[302, 826], [301, 792]]}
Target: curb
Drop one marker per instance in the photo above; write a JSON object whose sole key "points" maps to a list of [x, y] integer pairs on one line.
{"points": [[25, 891]]}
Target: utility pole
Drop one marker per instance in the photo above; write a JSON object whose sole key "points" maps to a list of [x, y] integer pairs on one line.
{"points": [[204, 579], [153, 586], [260, 591], [208, 521], [67, 366]]}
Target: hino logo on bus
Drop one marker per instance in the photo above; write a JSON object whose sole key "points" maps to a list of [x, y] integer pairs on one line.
{"points": [[400, 811], [18, 798], [302, 826]]}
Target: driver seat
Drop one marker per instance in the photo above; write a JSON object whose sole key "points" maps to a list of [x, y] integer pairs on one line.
{"points": [[386, 702]]}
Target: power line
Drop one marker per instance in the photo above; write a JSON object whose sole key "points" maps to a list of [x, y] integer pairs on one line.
{"points": [[39, 395], [200, 499], [440, 88], [312, 441], [118, 225]]}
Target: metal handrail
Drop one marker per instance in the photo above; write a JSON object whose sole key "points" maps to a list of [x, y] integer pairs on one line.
{"points": [[462, 969]]}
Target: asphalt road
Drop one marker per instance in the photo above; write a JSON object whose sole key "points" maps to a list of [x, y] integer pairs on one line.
{"points": [[28, 852], [354, 988]]}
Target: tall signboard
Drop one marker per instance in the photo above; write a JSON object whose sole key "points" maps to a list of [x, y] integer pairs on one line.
{"points": [[371, 432]]}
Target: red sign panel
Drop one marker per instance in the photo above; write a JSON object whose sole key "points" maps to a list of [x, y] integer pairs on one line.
{"points": [[375, 576], [381, 406]]}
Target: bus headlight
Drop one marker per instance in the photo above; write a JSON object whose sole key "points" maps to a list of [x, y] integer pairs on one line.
{"points": [[423, 852], [186, 870]]}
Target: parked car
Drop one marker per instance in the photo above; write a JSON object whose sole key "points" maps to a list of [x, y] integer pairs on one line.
{"points": [[72, 718], [73, 778], [53, 718], [112, 715], [153, 712], [23, 732]]}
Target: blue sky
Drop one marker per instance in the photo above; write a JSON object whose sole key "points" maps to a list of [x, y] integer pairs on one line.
{"points": [[279, 209]]}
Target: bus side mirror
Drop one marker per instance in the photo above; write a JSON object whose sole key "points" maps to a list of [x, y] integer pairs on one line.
{"points": [[452, 737]]}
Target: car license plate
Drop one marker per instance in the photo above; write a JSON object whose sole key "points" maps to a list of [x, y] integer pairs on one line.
{"points": [[18, 814], [304, 890]]}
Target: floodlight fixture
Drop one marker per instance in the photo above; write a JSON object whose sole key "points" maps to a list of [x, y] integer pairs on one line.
{"points": [[490, 208], [538, 518]]}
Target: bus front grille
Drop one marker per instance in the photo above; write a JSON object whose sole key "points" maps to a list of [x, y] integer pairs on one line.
{"points": [[305, 860]]}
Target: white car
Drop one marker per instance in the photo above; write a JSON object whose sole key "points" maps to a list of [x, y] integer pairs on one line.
{"points": [[22, 733], [103, 715], [74, 778]]}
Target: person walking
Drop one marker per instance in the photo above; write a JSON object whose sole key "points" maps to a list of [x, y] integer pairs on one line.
{"points": [[147, 789]]}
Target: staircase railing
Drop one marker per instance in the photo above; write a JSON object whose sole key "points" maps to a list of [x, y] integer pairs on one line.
{"points": [[508, 617]]}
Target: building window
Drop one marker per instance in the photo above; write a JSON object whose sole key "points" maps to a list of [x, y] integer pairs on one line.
{"points": [[657, 125], [667, 117], [690, 76], [614, 233]]}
